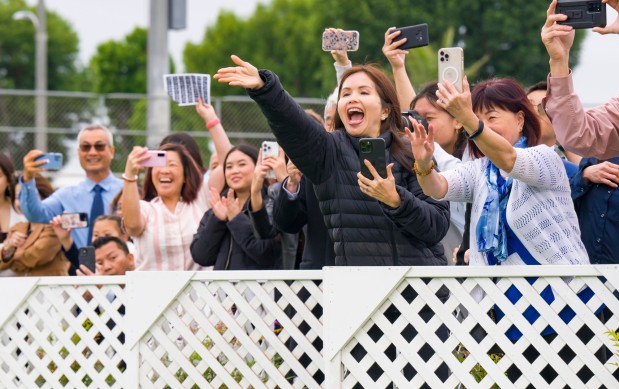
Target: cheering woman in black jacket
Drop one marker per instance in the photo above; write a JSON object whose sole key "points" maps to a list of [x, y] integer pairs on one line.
{"points": [[384, 221]]}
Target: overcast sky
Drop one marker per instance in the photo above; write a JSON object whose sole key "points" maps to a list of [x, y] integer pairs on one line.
{"points": [[96, 21]]}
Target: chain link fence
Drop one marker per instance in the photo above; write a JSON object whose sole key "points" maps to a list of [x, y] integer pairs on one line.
{"points": [[125, 116]]}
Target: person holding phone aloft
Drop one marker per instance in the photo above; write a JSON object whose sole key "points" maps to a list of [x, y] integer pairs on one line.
{"points": [[163, 222], [384, 221], [591, 133], [522, 213]]}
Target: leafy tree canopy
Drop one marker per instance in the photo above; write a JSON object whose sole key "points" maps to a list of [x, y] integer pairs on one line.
{"points": [[500, 37], [17, 50]]}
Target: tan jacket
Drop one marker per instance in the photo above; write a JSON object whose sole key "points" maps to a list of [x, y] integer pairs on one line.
{"points": [[40, 255]]}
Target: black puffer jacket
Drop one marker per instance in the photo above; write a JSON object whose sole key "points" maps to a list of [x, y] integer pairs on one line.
{"points": [[365, 232], [232, 245], [292, 215]]}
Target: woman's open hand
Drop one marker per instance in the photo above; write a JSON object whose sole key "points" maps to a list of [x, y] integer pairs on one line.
{"points": [[245, 75]]}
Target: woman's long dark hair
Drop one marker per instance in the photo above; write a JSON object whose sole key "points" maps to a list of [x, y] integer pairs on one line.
{"points": [[9, 172], [429, 93], [507, 94], [399, 149]]}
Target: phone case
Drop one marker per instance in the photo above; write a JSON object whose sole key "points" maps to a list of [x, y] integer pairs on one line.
{"points": [[55, 161], [345, 40], [582, 13], [270, 148], [416, 36], [157, 158], [74, 220], [86, 257], [372, 149], [451, 66]]}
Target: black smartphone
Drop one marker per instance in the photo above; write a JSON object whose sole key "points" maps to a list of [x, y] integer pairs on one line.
{"points": [[86, 257], [372, 149], [416, 36], [582, 13]]}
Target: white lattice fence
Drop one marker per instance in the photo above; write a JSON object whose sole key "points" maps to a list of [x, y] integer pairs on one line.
{"points": [[380, 326], [217, 332], [56, 334], [404, 334]]}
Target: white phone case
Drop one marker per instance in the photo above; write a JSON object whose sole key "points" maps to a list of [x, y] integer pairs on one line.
{"points": [[451, 66]]}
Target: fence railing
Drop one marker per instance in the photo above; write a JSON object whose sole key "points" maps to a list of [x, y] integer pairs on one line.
{"points": [[125, 115], [337, 328]]}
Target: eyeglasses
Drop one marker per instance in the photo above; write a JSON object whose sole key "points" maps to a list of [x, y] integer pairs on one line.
{"points": [[541, 110], [85, 147]]}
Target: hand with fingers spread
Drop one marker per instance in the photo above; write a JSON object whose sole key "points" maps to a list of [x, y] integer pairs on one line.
{"points": [[244, 74], [558, 39], [422, 145], [605, 173], [612, 28], [382, 189], [391, 50]]}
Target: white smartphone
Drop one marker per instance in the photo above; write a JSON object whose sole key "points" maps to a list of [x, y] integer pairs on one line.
{"points": [[451, 66], [270, 148]]}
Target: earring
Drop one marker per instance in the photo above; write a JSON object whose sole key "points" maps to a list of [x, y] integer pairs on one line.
{"points": [[383, 117], [520, 129]]}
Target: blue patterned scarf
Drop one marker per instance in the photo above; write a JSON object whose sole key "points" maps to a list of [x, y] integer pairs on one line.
{"points": [[491, 232]]}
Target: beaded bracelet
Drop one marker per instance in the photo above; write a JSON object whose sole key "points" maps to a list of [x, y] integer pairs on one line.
{"points": [[420, 173]]}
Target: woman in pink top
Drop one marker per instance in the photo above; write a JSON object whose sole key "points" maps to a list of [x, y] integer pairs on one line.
{"points": [[162, 224]]}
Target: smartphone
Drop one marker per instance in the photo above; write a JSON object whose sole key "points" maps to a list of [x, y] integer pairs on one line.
{"points": [[372, 149], [86, 257], [416, 36], [270, 148], [156, 158], [54, 161], [343, 40], [74, 220], [451, 66], [582, 13]]}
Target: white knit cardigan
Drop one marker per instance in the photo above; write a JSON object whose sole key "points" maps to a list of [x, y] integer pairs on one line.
{"points": [[539, 210]]}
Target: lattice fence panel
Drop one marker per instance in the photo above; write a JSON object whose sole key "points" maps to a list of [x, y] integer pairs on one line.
{"points": [[416, 339], [65, 336], [260, 334]]}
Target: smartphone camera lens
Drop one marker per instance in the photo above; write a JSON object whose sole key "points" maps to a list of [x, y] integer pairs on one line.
{"points": [[442, 59], [442, 53], [446, 56], [594, 7]]}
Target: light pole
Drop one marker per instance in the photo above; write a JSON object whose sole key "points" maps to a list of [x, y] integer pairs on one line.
{"points": [[40, 25]]}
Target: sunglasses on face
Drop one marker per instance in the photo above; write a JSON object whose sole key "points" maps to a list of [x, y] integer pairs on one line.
{"points": [[85, 147]]}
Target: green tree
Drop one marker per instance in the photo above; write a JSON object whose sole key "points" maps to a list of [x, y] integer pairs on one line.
{"points": [[503, 34], [17, 50], [281, 36]]}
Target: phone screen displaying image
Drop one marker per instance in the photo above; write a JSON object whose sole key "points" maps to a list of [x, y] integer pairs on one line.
{"points": [[74, 220], [344, 40]]}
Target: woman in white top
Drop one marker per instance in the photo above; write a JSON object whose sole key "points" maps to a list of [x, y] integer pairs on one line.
{"points": [[162, 224], [522, 210]]}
